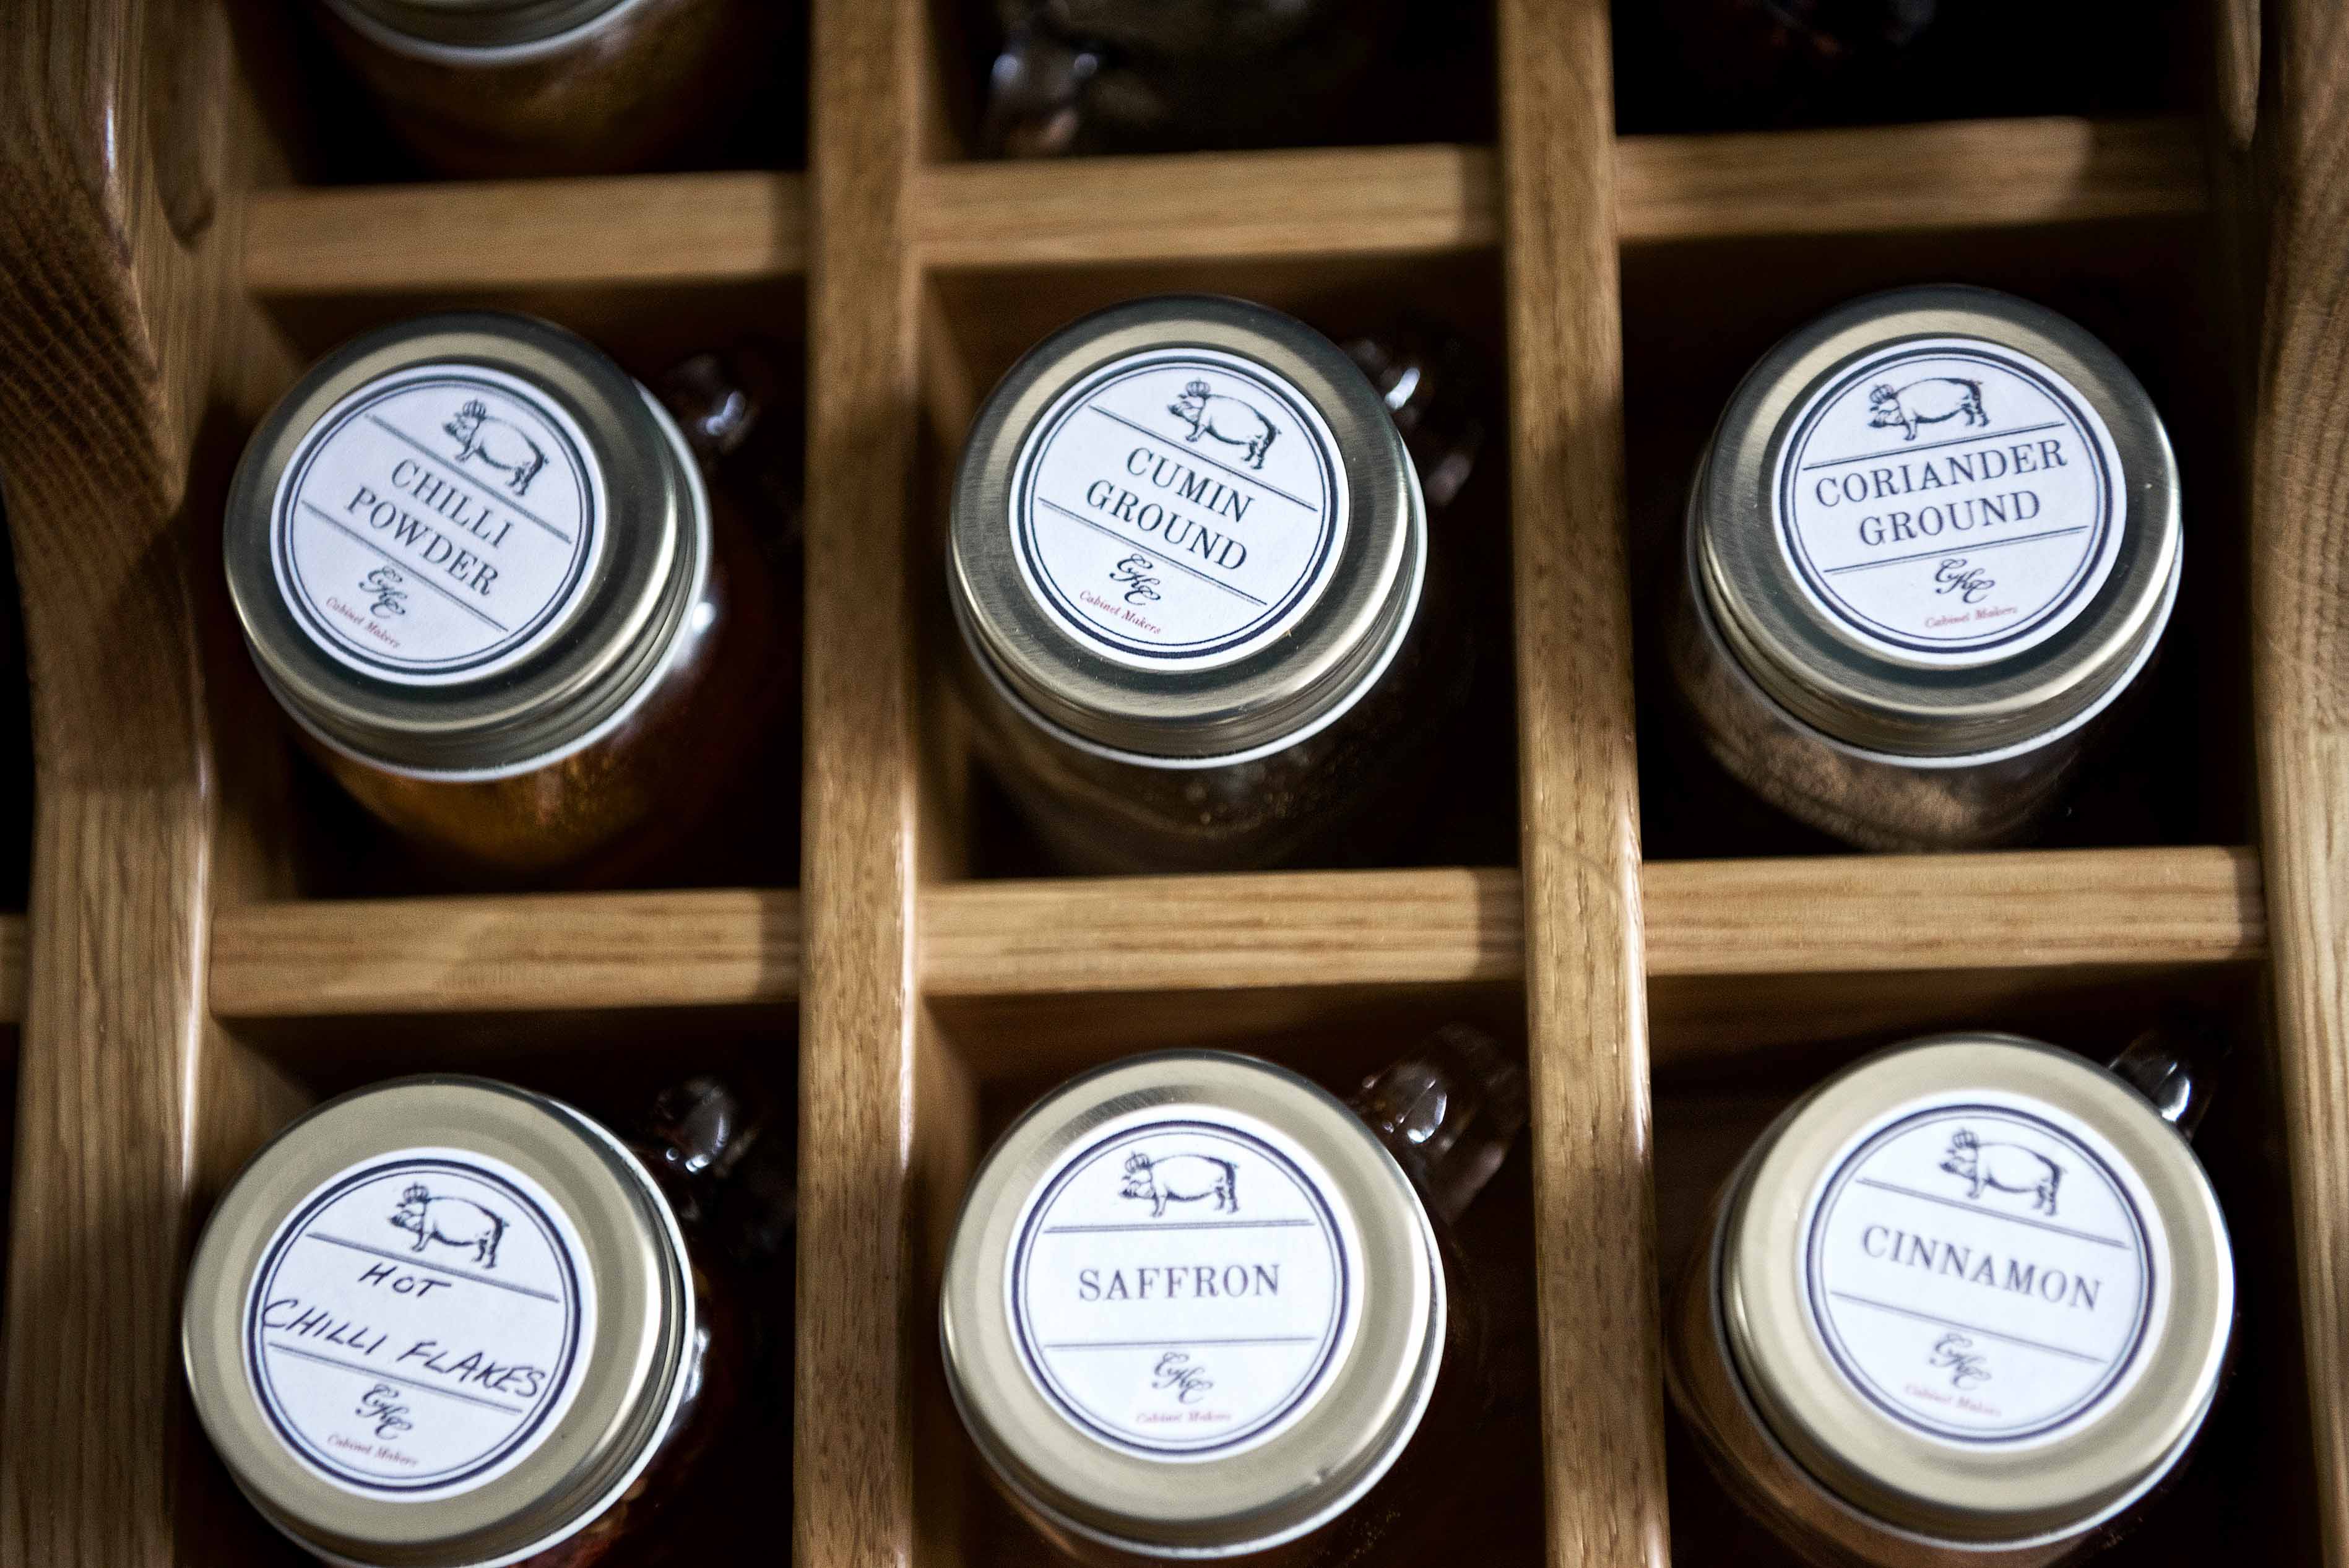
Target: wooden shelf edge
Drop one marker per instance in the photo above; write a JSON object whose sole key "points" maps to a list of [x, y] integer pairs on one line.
{"points": [[750, 227], [457, 236], [2099, 908]]}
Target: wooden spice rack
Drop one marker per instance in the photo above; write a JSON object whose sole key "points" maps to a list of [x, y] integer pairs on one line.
{"points": [[184, 989]]}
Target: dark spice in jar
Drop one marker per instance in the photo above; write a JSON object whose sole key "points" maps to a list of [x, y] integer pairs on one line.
{"points": [[509, 87], [1207, 623], [481, 567]]}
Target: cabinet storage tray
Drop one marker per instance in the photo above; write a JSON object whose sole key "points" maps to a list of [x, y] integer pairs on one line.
{"points": [[205, 955]]}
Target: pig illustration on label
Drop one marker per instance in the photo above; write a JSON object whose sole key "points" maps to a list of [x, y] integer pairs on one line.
{"points": [[499, 444], [2003, 1168], [1925, 402], [1234, 423], [1181, 1179], [457, 1222]]}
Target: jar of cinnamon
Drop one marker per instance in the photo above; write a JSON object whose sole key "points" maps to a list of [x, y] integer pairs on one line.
{"points": [[478, 564], [446, 1322], [1196, 1306], [1934, 542], [1204, 625], [1965, 1305], [511, 88]]}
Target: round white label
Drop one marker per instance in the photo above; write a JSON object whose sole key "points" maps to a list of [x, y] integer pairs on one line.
{"points": [[416, 1328], [1179, 508], [1985, 1271], [1184, 1284], [435, 525], [1949, 502]]}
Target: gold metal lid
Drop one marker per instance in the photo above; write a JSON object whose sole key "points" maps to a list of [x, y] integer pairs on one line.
{"points": [[1978, 1288], [1193, 1306], [1186, 532], [461, 27], [465, 545], [1938, 523], [441, 1321]]}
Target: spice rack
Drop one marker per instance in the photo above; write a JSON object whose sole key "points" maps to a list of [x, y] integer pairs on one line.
{"points": [[183, 995]]}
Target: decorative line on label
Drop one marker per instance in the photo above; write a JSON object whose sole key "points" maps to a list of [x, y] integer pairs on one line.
{"points": [[1173, 1339], [1958, 550], [1178, 508], [430, 1366], [436, 525], [1982, 1271]]}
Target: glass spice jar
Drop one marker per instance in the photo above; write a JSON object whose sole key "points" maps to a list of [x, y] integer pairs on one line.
{"points": [[507, 87], [478, 564], [1964, 1305], [1196, 1306], [1933, 541], [445, 1321], [1202, 624], [1151, 76]]}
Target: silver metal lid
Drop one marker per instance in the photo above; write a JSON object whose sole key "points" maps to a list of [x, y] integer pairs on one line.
{"points": [[1185, 528], [1979, 1288], [441, 1321], [474, 24], [1193, 1307], [1938, 522], [463, 545]]}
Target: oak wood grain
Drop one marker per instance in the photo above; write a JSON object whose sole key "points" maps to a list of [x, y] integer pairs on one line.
{"points": [[1586, 996], [2300, 673], [854, 1484]]}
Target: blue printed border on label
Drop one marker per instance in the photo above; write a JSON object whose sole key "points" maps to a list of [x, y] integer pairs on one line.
{"points": [[1331, 1333], [296, 1227], [1838, 1184], [1798, 445], [1038, 441], [290, 491]]}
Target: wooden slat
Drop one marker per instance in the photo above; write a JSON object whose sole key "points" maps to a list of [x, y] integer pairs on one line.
{"points": [[688, 229], [2300, 671], [490, 234], [1586, 986], [2120, 909]]}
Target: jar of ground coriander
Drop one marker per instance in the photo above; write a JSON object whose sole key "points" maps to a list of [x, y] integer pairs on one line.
{"points": [[1933, 542]]}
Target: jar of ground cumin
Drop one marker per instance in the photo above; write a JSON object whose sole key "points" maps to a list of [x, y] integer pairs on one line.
{"points": [[446, 1322], [1202, 623], [1933, 541], [1196, 1306], [1966, 1303], [557, 87], [477, 563]]}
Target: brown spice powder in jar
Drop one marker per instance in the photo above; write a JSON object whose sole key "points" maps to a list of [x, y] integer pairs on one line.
{"points": [[510, 87], [1932, 544], [480, 567]]}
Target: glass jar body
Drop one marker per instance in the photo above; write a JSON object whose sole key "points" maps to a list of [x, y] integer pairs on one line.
{"points": [[1864, 799], [1340, 795], [646, 80], [603, 811]]}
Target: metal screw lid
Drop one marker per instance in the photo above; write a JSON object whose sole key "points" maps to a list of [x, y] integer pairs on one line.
{"points": [[1193, 1307], [1938, 523], [533, 512], [1184, 530], [1978, 1288], [464, 25], [437, 1322]]}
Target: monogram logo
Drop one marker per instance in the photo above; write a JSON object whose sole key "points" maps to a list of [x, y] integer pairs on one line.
{"points": [[1177, 1372], [379, 1405], [1133, 575], [1968, 583], [1955, 1353], [384, 582]]}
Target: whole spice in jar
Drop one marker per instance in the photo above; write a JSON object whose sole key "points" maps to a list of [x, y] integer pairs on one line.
{"points": [[1196, 1306], [1203, 626], [1967, 1303], [1934, 540], [445, 1321], [509, 87], [478, 564]]}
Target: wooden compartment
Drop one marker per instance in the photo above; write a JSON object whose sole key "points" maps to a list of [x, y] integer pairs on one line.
{"points": [[188, 987]]}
